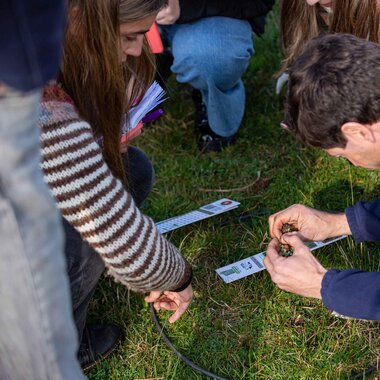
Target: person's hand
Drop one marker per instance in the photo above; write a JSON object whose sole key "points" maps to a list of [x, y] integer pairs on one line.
{"points": [[301, 273], [3, 88], [124, 145], [311, 224], [170, 14], [175, 301]]}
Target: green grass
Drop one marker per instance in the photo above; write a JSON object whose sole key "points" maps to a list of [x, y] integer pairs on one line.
{"points": [[248, 329]]}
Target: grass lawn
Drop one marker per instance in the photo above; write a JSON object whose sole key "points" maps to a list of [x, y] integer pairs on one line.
{"points": [[248, 329]]}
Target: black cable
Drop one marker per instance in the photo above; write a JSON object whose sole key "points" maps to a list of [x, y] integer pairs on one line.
{"points": [[361, 375], [241, 218], [182, 357]]}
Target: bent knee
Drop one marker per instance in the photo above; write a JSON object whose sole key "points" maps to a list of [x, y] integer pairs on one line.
{"points": [[215, 65]]}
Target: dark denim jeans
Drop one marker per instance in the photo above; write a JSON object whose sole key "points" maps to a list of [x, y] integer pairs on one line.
{"points": [[84, 265]]}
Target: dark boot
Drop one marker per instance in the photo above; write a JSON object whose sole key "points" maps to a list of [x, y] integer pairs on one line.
{"points": [[98, 342], [207, 139]]}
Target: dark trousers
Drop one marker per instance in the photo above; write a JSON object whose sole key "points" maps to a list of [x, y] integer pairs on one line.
{"points": [[85, 265]]}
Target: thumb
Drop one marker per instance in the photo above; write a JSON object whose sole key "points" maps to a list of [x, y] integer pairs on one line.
{"points": [[273, 249], [293, 233], [272, 256], [293, 240], [154, 295]]}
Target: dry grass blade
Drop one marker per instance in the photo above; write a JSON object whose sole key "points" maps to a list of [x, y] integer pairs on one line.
{"points": [[236, 189]]}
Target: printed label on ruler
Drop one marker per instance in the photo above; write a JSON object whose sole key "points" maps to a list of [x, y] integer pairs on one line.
{"points": [[220, 206], [242, 268], [254, 264], [204, 212]]}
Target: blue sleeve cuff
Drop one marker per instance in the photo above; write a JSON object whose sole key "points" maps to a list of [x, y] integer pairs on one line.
{"points": [[353, 223], [364, 220], [352, 292], [325, 288]]}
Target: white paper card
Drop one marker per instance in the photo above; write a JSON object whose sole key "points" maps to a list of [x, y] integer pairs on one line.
{"points": [[152, 98], [242, 268], [204, 212], [254, 264]]}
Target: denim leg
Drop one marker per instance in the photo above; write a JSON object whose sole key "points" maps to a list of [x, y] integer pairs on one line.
{"points": [[211, 55], [38, 340], [85, 268], [84, 264]]}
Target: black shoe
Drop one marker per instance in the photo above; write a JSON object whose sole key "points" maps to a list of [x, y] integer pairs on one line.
{"points": [[201, 118], [207, 139], [209, 143], [98, 342]]}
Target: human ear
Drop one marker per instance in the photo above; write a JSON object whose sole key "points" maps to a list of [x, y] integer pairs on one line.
{"points": [[358, 132]]}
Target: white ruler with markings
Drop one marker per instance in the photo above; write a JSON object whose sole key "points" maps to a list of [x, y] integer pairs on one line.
{"points": [[254, 264], [204, 212]]}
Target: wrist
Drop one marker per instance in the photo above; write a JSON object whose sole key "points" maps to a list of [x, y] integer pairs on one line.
{"points": [[339, 225], [317, 293], [186, 283]]}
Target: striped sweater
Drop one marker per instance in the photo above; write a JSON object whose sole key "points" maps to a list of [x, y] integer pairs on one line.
{"points": [[96, 203]]}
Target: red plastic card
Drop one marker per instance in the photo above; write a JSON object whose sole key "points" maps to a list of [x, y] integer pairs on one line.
{"points": [[154, 40]]}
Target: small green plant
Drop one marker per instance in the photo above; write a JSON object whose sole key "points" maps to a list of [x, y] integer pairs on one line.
{"points": [[285, 249]]}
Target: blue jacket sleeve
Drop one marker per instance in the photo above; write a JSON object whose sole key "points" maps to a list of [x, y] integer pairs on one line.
{"points": [[352, 293], [31, 33], [364, 220]]}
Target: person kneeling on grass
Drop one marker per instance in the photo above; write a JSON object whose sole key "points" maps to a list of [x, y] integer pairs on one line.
{"points": [[333, 103], [97, 183]]}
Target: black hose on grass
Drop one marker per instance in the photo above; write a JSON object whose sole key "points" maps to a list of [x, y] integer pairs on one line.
{"points": [[362, 375], [182, 357], [239, 218]]}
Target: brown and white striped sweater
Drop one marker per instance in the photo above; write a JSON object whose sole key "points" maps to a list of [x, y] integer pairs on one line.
{"points": [[96, 203]]}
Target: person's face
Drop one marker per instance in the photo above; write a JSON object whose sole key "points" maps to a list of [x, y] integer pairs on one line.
{"points": [[362, 148], [355, 156], [132, 36], [324, 3]]}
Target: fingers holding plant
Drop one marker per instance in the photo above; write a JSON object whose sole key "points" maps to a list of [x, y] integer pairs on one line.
{"points": [[310, 223], [301, 273]]}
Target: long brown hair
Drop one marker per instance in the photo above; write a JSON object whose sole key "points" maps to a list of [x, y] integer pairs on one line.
{"points": [[301, 22], [358, 17], [92, 73]]}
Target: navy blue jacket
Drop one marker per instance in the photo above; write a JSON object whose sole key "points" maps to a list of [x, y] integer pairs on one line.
{"points": [[254, 11], [353, 292], [31, 33]]}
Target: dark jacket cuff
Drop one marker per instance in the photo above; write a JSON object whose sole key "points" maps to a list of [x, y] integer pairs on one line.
{"points": [[325, 287], [353, 223], [188, 279]]}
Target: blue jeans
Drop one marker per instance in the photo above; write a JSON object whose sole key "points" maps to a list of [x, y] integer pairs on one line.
{"points": [[37, 336], [84, 265], [212, 54]]}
